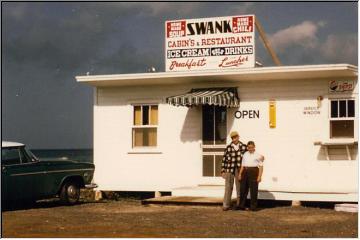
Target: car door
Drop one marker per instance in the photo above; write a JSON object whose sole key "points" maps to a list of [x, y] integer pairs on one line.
{"points": [[24, 180], [10, 161]]}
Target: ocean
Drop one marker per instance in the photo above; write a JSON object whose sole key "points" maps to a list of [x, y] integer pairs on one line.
{"points": [[78, 155]]}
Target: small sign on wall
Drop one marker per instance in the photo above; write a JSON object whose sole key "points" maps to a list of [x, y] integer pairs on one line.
{"points": [[272, 114], [336, 86], [247, 114], [311, 110]]}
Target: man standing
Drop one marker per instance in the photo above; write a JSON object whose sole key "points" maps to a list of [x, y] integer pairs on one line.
{"points": [[230, 167]]}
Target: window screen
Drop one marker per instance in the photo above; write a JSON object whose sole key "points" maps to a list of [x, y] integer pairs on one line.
{"points": [[342, 113], [208, 166], [342, 129], [145, 122], [334, 109], [342, 108], [351, 108]]}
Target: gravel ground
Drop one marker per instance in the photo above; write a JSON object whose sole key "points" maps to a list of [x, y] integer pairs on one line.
{"points": [[128, 218]]}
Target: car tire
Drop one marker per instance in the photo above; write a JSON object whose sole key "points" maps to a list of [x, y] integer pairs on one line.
{"points": [[70, 193]]}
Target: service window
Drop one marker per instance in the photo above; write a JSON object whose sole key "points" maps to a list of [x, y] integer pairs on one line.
{"points": [[342, 118], [10, 156], [144, 131]]}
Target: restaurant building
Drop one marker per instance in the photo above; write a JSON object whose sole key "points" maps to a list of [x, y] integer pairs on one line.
{"points": [[166, 131]]}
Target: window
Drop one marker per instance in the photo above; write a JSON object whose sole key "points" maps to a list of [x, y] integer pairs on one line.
{"points": [[145, 123], [214, 125], [212, 165], [342, 116], [213, 134], [10, 156]]}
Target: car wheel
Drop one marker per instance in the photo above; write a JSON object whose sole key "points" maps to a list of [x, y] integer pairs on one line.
{"points": [[70, 193]]}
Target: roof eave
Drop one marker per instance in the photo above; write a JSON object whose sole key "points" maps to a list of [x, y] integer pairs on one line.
{"points": [[261, 73]]}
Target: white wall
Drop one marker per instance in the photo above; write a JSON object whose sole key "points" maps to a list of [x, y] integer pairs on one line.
{"points": [[176, 161], [293, 162]]}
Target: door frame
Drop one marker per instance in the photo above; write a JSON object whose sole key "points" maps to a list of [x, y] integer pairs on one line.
{"points": [[212, 180]]}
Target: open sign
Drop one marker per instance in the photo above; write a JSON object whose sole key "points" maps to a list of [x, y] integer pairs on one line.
{"points": [[247, 114]]}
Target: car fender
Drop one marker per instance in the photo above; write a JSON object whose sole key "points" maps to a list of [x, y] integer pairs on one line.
{"points": [[78, 178]]}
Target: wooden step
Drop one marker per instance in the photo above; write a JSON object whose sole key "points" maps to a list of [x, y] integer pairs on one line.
{"points": [[183, 200]]}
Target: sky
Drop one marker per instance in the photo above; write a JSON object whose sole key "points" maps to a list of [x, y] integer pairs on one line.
{"points": [[45, 45]]}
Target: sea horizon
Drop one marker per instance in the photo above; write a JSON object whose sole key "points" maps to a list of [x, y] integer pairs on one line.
{"points": [[76, 154]]}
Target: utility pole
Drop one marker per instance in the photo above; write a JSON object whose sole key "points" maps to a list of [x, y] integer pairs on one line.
{"points": [[267, 43]]}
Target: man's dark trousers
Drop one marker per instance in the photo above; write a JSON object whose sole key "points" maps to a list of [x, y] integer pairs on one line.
{"points": [[249, 181]]}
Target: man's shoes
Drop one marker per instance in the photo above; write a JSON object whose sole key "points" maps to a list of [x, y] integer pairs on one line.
{"points": [[254, 209], [225, 208]]}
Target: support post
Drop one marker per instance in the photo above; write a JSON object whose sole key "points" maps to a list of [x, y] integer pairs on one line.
{"points": [[295, 203], [327, 152], [157, 194], [348, 152], [98, 195], [267, 43]]}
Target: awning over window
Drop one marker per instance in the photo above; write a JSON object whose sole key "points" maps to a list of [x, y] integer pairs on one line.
{"points": [[211, 96]]}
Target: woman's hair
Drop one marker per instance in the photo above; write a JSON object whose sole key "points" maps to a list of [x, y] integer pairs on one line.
{"points": [[251, 143]]}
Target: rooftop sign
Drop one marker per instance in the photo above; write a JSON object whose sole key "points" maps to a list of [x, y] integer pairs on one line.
{"points": [[210, 43]]}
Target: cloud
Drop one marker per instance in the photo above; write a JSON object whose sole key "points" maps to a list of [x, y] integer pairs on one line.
{"points": [[148, 8], [340, 48], [303, 34], [301, 43], [165, 7], [243, 8], [17, 12]]}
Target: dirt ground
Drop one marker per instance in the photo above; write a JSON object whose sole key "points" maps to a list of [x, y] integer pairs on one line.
{"points": [[128, 218]]}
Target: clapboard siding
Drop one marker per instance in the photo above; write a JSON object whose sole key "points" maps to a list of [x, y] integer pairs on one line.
{"points": [[293, 162]]}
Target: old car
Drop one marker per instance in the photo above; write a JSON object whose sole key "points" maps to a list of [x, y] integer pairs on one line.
{"points": [[26, 178]]}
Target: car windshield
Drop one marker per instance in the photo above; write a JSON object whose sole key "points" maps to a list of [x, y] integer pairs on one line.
{"points": [[30, 154]]}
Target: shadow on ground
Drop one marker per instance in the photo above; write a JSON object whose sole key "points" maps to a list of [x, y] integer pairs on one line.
{"points": [[87, 198], [48, 203]]}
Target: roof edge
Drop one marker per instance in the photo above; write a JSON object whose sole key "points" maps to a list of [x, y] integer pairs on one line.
{"points": [[273, 69]]}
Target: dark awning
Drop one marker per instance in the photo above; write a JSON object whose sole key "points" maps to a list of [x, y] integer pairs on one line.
{"points": [[211, 96]]}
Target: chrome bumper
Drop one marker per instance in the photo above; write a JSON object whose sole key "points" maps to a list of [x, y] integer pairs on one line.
{"points": [[91, 185]]}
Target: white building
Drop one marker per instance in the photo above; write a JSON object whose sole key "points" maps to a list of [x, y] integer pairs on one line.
{"points": [[303, 119]]}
